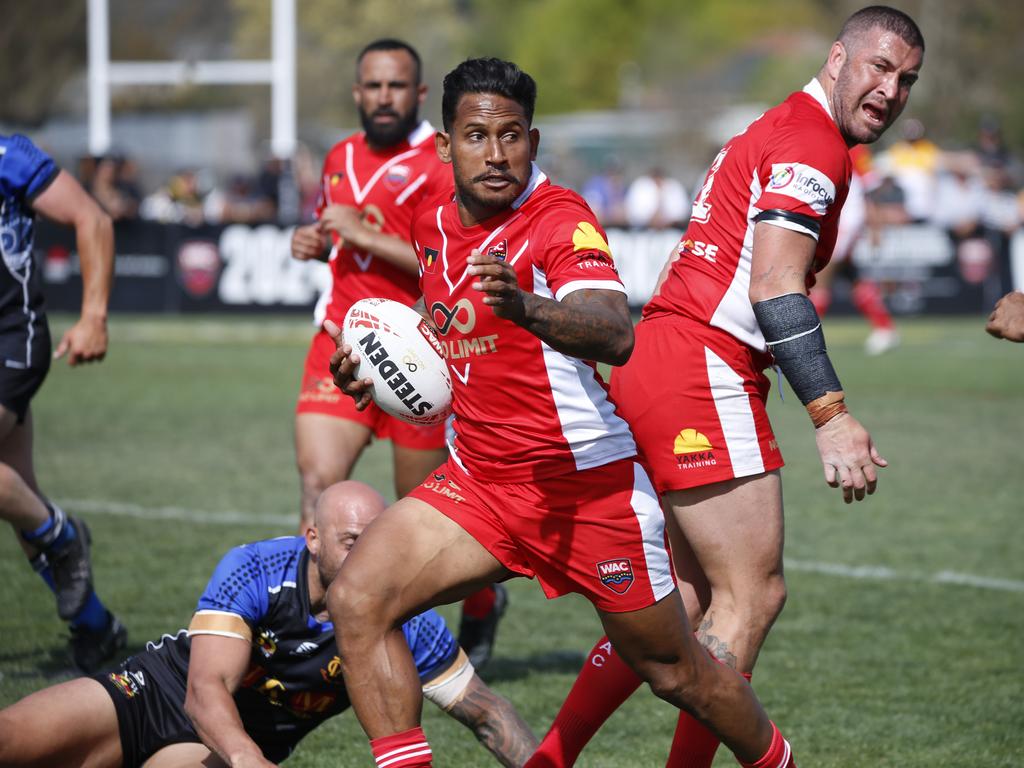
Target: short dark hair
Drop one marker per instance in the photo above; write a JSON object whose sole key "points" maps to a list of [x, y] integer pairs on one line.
{"points": [[390, 44], [487, 75], [889, 19]]}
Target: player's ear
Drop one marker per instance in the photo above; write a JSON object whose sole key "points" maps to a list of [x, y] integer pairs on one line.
{"points": [[312, 541], [443, 146], [421, 93], [534, 143], [837, 56]]}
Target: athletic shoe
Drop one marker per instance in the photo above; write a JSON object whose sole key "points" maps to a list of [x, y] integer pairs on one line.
{"points": [[90, 649], [880, 341], [476, 636], [72, 571]]}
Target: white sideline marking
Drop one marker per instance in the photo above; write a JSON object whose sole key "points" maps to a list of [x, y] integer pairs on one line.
{"points": [[233, 517], [882, 573], [223, 517]]}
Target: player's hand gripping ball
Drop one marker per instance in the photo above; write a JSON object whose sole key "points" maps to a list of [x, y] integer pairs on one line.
{"points": [[399, 351]]}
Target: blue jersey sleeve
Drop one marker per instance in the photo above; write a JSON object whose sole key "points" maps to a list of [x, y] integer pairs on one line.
{"points": [[239, 586], [25, 170], [433, 647]]}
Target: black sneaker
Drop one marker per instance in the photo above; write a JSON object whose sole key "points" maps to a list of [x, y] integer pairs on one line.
{"points": [[72, 571], [476, 636], [90, 649]]}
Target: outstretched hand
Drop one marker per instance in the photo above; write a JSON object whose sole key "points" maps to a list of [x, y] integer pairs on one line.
{"points": [[343, 365], [849, 457]]}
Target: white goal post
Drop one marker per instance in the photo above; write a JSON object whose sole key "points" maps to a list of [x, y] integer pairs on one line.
{"points": [[278, 72]]}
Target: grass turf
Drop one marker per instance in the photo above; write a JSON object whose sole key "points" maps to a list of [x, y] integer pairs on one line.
{"points": [[901, 644]]}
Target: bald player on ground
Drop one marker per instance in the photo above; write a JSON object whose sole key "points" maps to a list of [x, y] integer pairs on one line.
{"points": [[256, 670]]}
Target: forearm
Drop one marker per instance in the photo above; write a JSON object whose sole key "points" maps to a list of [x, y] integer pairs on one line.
{"points": [[793, 332], [391, 249], [212, 710], [588, 331], [95, 240], [496, 724]]}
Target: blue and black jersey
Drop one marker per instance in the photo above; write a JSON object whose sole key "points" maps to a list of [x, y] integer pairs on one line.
{"points": [[294, 681], [25, 172]]}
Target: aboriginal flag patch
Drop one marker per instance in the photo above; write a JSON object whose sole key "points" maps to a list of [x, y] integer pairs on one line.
{"points": [[616, 574]]}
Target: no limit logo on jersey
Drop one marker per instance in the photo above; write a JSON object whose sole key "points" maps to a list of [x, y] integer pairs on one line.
{"points": [[616, 574]]}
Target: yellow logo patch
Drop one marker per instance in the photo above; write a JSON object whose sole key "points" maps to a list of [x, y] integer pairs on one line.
{"points": [[691, 441], [587, 238]]}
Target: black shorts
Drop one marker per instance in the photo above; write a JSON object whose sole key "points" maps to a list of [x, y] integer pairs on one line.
{"points": [[149, 698], [18, 385]]}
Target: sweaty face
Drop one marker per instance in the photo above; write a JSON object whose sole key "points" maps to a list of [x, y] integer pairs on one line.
{"points": [[387, 96], [873, 84], [491, 148], [335, 543]]}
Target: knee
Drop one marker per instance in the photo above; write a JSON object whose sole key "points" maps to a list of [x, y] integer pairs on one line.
{"points": [[774, 599], [359, 615]]}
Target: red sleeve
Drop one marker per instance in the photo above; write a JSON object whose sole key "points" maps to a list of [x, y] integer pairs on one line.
{"points": [[573, 250], [805, 172]]}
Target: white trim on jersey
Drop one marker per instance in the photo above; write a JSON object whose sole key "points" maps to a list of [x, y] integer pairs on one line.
{"points": [[420, 181], [645, 505], [732, 402], [595, 434], [734, 313], [537, 177], [421, 133], [519, 253], [582, 285], [815, 89], [360, 193]]}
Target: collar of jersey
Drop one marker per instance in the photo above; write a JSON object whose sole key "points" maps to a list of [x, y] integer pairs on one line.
{"points": [[537, 177], [815, 90]]}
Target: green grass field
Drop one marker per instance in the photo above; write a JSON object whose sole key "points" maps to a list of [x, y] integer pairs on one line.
{"points": [[902, 643]]}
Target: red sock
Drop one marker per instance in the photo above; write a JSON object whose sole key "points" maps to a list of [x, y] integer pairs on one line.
{"points": [[821, 298], [867, 298], [693, 746], [604, 683], [779, 755], [479, 604], [408, 749]]}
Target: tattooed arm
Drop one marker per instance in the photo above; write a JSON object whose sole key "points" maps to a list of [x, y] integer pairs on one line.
{"points": [[495, 722], [590, 324]]}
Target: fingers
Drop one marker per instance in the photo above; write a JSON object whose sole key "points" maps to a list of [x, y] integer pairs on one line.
{"points": [[334, 331], [62, 348], [876, 457]]}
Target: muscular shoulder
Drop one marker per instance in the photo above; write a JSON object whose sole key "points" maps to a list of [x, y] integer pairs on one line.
{"points": [[25, 170], [247, 574], [335, 157]]}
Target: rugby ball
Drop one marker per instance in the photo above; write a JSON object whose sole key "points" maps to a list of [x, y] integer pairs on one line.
{"points": [[399, 351]]}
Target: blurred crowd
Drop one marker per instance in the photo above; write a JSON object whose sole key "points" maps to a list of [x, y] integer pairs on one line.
{"points": [[976, 194], [279, 192]]}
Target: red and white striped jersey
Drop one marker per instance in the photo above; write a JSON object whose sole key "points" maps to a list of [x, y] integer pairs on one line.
{"points": [[792, 158], [522, 410], [387, 187]]}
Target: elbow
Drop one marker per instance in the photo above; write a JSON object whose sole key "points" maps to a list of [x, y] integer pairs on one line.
{"points": [[621, 347]]}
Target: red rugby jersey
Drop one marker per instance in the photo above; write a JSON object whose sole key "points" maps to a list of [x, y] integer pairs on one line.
{"points": [[792, 158], [387, 187], [522, 410]]}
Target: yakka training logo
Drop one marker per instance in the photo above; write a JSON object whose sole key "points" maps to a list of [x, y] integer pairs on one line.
{"points": [[616, 574], [692, 449]]}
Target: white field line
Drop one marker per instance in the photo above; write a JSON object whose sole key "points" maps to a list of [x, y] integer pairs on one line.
{"points": [[234, 517]]}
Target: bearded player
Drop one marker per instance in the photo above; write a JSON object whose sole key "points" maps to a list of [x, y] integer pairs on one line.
{"points": [[371, 183], [732, 302], [542, 480]]}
